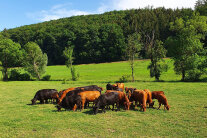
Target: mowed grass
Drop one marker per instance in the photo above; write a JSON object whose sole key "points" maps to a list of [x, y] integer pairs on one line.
{"points": [[187, 116]]}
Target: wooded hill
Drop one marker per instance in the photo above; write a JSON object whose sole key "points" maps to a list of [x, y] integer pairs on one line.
{"points": [[98, 38]]}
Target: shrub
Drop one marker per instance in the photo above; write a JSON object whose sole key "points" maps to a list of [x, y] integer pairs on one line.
{"points": [[75, 76], [193, 75], [124, 78], [15, 75], [46, 78]]}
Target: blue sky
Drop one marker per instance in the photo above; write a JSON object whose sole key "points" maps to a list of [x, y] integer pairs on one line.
{"points": [[15, 13]]}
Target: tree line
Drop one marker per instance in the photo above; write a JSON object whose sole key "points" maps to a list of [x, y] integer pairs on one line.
{"points": [[179, 33]]}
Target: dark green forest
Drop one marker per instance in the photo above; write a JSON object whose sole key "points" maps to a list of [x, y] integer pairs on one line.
{"points": [[100, 37]]}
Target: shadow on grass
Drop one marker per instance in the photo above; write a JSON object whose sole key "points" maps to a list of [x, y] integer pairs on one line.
{"points": [[205, 107], [40, 103]]}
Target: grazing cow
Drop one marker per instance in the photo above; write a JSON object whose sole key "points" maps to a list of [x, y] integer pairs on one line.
{"points": [[156, 93], [110, 98], [131, 90], [149, 98], [163, 100], [80, 89], [117, 86], [139, 96], [123, 100], [68, 102], [86, 96], [44, 94], [63, 94]]}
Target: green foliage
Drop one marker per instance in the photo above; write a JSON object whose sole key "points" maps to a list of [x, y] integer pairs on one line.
{"points": [[188, 50], [35, 61], [46, 78], [124, 78], [74, 74], [68, 54], [201, 7], [97, 38], [10, 55], [133, 50], [16, 75], [157, 52]]}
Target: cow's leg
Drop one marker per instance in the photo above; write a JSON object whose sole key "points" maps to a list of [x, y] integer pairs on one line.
{"points": [[75, 107], [113, 107], [135, 106], [83, 103], [41, 101], [159, 106], [117, 106], [103, 109]]}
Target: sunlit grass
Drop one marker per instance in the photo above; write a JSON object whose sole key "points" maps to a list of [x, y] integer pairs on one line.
{"points": [[187, 116]]}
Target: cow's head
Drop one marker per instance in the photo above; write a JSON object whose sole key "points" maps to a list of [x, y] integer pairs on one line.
{"points": [[33, 101], [168, 107], [127, 105]]}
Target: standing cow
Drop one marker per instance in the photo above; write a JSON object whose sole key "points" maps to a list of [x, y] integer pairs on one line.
{"points": [[44, 94]]}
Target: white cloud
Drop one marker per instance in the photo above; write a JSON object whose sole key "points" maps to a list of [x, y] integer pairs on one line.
{"points": [[56, 12], [63, 10], [130, 4]]}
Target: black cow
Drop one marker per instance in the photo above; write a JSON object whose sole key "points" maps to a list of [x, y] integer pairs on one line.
{"points": [[69, 102], [106, 99], [44, 94], [113, 87], [89, 88]]}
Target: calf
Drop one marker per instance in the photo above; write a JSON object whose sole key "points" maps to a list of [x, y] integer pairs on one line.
{"points": [[110, 98], [163, 100], [45, 94], [156, 93], [123, 100]]}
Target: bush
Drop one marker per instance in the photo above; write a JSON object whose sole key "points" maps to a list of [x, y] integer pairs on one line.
{"points": [[15, 75], [75, 76], [124, 78], [46, 78], [193, 75]]}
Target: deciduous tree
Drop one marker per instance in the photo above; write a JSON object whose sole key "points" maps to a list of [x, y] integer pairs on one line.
{"points": [[35, 61]]}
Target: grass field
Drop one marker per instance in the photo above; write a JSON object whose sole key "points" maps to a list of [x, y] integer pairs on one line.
{"points": [[187, 116]]}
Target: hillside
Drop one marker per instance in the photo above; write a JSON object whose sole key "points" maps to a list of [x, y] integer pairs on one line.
{"points": [[97, 38]]}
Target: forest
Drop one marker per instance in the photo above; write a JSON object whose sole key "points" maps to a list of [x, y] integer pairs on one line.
{"points": [[102, 37]]}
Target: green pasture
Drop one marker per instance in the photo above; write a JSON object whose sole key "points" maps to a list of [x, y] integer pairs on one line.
{"points": [[187, 116]]}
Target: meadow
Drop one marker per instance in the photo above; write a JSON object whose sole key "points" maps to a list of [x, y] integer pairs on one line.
{"points": [[187, 116]]}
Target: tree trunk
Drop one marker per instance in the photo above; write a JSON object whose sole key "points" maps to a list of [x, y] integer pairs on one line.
{"points": [[183, 75], [5, 74], [132, 73]]}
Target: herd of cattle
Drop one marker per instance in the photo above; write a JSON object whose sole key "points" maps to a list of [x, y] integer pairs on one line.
{"points": [[80, 97]]}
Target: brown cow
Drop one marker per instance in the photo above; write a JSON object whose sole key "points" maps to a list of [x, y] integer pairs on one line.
{"points": [[156, 93], [86, 96], [139, 96], [122, 98], [149, 98], [64, 94], [163, 100], [119, 86]]}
